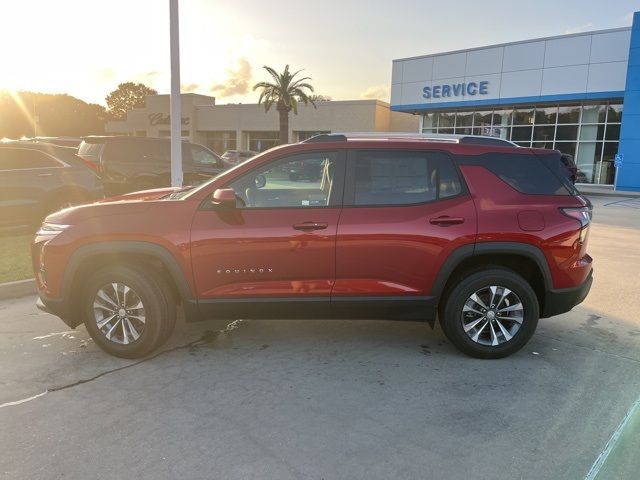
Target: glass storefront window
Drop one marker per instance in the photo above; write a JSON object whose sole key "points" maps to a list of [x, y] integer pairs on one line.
{"points": [[464, 121], [566, 147], [261, 141], [591, 132], [544, 133], [430, 120], [446, 120], [614, 114], [482, 119], [566, 133], [521, 134], [588, 160], [613, 132], [523, 116], [607, 170], [569, 114], [594, 113], [502, 118], [588, 132], [221, 141], [546, 116]]}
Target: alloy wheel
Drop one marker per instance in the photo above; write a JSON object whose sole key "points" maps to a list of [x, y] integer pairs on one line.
{"points": [[492, 315], [119, 313]]}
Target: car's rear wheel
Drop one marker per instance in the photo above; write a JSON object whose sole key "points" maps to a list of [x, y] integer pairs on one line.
{"points": [[128, 314], [490, 314]]}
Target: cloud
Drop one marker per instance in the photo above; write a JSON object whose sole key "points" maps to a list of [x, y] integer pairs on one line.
{"points": [[147, 78], [237, 82], [377, 92], [582, 28], [189, 87]]}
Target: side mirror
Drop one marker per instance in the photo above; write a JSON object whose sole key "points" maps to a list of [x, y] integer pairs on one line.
{"points": [[224, 198]]}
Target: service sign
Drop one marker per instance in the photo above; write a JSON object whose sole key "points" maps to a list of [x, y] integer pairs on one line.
{"points": [[462, 89]]}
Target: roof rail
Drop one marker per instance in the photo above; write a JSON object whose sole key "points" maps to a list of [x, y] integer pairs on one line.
{"points": [[427, 137]]}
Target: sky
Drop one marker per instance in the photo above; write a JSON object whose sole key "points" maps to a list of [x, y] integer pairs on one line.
{"points": [[85, 48]]}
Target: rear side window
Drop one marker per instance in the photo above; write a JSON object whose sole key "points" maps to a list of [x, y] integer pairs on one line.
{"points": [[524, 172], [22, 158], [90, 149], [403, 178]]}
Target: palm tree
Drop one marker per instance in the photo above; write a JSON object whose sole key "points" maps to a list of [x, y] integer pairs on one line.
{"points": [[286, 92]]}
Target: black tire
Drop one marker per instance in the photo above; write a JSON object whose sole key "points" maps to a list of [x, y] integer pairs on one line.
{"points": [[170, 324], [159, 310], [451, 314]]}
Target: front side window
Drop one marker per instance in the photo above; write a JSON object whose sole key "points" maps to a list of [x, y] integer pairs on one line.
{"points": [[304, 180], [403, 178], [203, 157]]}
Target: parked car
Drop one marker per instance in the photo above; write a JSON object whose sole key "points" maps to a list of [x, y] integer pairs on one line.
{"points": [[570, 167], [234, 157], [128, 164], [38, 178], [62, 141], [485, 237]]}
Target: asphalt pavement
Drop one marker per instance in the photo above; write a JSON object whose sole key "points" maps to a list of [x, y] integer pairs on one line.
{"points": [[335, 399]]}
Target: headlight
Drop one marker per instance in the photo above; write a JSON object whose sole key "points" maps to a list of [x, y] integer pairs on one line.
{"points": [[51, 229]]}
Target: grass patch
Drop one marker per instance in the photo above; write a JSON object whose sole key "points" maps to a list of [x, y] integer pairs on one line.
{"points": [[15, 258]]}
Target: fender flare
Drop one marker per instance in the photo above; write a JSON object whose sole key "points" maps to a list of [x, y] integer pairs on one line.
{"points": [[128, 247], [457, 256]]}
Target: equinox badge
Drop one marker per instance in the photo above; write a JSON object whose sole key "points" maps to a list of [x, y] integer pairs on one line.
{"points": [[237, 271]]}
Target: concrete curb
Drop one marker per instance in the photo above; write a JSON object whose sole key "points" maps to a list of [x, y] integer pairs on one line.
{"points": [[597, 192], [21, 288]]}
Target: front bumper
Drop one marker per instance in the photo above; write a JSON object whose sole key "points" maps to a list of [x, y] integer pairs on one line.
{"points": [[58, 308], [562, 300]]}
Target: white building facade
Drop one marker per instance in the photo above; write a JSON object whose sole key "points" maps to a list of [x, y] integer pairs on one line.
{"points": [[249, 127], [566, 92]]}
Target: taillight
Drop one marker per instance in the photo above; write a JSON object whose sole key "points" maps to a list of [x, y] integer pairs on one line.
{"points": [[89, 163], [582, 215]]}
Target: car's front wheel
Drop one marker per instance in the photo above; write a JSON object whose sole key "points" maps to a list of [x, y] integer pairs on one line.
{"points": [[491, 313], [128, 314]]}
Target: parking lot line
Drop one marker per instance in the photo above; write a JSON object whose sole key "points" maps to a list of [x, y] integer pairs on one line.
{"points": [[613, 441], [24, 400]]}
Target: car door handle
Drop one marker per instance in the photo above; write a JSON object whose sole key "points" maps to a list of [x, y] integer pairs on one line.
{"points": [[310, 226], [445, 221], [45, 174]]}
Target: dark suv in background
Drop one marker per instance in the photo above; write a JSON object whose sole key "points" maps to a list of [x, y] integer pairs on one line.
{"points": [[128, 164], [39, 178]]}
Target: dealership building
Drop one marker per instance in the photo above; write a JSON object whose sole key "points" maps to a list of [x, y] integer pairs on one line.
{"points": [[577, 93], [249, 127]]}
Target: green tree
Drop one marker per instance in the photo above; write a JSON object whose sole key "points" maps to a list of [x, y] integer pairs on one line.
{"points": [[127, 96], [53, 115], [286, 92]]}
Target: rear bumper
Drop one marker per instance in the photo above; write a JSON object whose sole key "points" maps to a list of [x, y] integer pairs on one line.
{"points": [[562, 300]]}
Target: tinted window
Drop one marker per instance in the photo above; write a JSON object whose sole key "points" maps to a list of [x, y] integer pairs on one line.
{"points": [[21, 158], [304, 180], [525, 173], [403, 178]]}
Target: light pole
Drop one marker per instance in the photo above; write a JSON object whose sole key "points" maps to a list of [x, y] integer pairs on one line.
{"points": [[176, 104]]}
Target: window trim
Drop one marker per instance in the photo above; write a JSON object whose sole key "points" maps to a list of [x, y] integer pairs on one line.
{"points": [[337, 189], [349, 184]]}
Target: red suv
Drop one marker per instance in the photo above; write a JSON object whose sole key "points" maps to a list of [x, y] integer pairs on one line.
{"points": [[482, 235]]}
